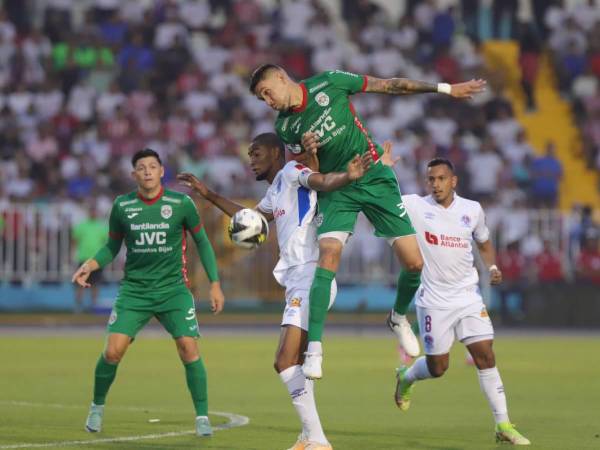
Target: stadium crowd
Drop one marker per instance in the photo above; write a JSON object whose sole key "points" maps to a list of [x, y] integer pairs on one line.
{"points": [[85, 83]]}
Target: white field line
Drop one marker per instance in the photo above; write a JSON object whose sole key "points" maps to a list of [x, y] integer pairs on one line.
{"points": [[235, 420]]}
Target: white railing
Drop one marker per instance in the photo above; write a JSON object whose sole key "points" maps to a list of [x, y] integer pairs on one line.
{"points": [[36, 244]]}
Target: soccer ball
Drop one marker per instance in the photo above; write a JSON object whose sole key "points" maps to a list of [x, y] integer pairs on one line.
{"points": [[248, 228]]}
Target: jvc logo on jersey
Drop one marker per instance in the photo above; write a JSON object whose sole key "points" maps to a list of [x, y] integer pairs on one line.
{"points": [[151, 238], [431, 238], [327, 125]]}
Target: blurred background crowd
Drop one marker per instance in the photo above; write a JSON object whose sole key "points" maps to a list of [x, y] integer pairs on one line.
{"points": [[84, 84]]}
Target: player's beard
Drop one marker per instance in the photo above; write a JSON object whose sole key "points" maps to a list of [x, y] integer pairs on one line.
{"points": [[261, 176]]}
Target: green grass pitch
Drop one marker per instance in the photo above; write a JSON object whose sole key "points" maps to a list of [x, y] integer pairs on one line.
{"points": [[552, 383]]}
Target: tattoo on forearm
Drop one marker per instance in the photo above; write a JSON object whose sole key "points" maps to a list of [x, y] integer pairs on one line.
{"points": [[399, 86]]}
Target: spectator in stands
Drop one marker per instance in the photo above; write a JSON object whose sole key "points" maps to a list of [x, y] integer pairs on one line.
{"points": [[512, 264], [88, 236], [548, 266], [588, 262], [530, 49], [546, 173]]}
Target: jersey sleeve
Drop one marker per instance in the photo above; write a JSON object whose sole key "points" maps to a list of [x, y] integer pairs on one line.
{"points": [[347, 81], [266, 205], [297, 174], [191, 216], [481, 233], [115, 236], [193, 223]]}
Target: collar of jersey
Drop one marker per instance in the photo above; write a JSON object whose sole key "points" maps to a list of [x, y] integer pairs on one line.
{"points": [[302, 107], [151, 201]]}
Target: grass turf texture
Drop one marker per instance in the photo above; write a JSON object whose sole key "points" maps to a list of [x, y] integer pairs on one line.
{"points": [[552, 385]]}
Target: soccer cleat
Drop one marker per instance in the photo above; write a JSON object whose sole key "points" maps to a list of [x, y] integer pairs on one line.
{"points": [[312, 366], [300, 443], [403, 389], [93, 424], [403, 331], [317, 446], [203, 427], [506, 432]]}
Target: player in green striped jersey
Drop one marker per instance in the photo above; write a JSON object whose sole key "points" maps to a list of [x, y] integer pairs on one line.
{"points": [[153, 222], [320, 106]]}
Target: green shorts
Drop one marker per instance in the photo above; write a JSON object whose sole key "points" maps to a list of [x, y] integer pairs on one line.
{"points": [[377, 195], [176, 312]]}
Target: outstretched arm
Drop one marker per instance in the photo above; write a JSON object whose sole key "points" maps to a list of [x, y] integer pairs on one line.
{"points": [[405, 86], [226, 205], [327, 182]]}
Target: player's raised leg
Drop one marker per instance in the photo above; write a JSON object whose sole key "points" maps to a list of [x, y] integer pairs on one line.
{"points": [[493, 389], [289, 355], [104, 375], [407, 250], [330, 252]]}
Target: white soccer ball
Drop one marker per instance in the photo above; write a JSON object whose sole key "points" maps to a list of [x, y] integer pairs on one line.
{"points": [[248, 228]]}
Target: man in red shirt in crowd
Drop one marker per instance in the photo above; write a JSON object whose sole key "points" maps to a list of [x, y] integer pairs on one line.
{"points": [[588, 263], [548, 266], [512, 265]]}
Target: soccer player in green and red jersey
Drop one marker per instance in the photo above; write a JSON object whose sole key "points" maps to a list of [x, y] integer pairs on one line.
{"points": [[320, 106], [153, 223]]}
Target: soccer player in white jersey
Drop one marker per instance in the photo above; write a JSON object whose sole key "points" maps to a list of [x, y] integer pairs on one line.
{"points": [[449, 302], [291, 201]]}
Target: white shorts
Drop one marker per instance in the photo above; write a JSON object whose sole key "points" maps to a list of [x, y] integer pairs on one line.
{"points": [[439, 327], [297, 281]]}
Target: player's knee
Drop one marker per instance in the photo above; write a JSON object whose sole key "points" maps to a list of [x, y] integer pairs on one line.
{"points": [[283, 361], [415, 265], [188, 351], [113, 355], [485, 360], [437, 368]]}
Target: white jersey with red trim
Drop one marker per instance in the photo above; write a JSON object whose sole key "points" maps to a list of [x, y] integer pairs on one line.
{"points": [[293, 205], [445, 235]]}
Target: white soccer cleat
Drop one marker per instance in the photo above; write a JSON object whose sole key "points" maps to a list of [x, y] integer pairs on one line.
{"points": [[300, 443], [93, 424], [312, 365], [406, 337]]}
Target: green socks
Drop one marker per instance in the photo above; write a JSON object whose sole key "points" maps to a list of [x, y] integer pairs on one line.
{"points": [[195, 375], [408, 283], [104, 376], [320, 296]]}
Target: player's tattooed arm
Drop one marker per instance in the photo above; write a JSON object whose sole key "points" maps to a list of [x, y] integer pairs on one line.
{"points": [[398, 86], [405, 86]]}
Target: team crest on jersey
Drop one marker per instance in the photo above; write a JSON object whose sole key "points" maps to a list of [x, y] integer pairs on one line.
{"points": [[322, 99], [319, 219], [429, 215], [296, 302], [166, 211], [465, 221], [113, 317]]}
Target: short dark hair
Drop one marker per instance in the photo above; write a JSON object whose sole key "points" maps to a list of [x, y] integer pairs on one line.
{"points": [[438, 161], [144, 154], [270, 140], [260, 73]]}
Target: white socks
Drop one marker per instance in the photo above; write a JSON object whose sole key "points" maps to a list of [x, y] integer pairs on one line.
{"points": [[418, 371], [303, 399], [491, 385], [315, 347]]}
